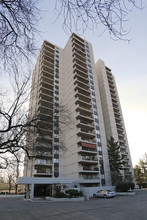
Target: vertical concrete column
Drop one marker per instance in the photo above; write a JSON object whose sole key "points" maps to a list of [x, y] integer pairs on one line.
{"points": [[53, 189], [27, 191], [32, 191]]}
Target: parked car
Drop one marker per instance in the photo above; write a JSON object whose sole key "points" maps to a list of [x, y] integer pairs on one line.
{"points": [[104, 194]]}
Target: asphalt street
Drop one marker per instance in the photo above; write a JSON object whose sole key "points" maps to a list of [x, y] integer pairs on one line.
{"points": [[119, 208]]}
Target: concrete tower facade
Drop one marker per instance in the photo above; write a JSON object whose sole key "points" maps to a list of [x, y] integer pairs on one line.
{"points": [[69, 77], [113, 117]]}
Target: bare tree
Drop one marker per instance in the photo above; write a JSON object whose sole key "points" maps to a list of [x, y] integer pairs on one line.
{"points": [[111, 15], [14, 121], [19, 129], [18, 22]]}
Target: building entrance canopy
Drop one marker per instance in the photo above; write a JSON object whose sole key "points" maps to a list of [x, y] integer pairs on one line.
{"points": [[31, 181], [42, 180]]}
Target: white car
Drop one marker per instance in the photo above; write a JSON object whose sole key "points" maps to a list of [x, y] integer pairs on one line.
{"points": [[104, 194]]}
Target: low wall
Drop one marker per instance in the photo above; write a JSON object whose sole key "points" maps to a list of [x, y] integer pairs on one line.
{"points": [[11, 196], [64, 199], [126, 193]]}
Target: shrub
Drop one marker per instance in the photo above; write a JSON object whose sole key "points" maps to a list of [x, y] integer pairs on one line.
{"points": [[125, 187], [72, 193], [60, 195], [144, 185]]}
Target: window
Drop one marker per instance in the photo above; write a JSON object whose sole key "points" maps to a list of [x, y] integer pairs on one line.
{"points": [[99, 144], [56, 87], [57, 50], [95, 116], [56, 160], [57, 81], [56, 151], [96, 120], [96, 124], [57, 75], [56, 70], [99, 148], [89, 65]]}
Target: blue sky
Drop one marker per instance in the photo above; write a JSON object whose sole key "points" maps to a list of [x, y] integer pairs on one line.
{"points": [[127, 61]]}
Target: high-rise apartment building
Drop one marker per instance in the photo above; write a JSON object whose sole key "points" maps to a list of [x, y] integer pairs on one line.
{"points": [[70, 78], [113, 118]]}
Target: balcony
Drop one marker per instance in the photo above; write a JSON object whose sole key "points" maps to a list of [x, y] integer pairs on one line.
{"points": [[45, 111], [88, 151], [48, 47], [88, 159], [122, 143], [84, 132], [47, 63], [88, 180], [110, 80], [120, 134], [80, 78], [48, 54], [83, 97], [115, 106], [46, 91], [125, 159], [118, 121], [47, 125], [80, 62], [82, 91], [112, 91], [119, 128], [127, 173], [79, 56], [78, 47], [82, 84], [42, 154], [126, 167], [85, 169], [81, 71], [46, 86], [44, 163], [46, 105], [84, 117], [111, 86], [84, 110], [79, 40], [125, 153], [81, 124], [43, 98], [47, 68], [76, 37], [47, 77], [42, 173], [87, 142], [43, 142], [83, 103]]}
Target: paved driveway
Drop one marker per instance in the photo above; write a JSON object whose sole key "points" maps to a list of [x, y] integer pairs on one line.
{"points": [[119, 208]]}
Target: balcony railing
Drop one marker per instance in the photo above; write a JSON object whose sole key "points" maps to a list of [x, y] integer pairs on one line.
{"points": [[88, 180], [87, 150], [88, 160], [43, 173], [39, 163], [89, 170]]}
